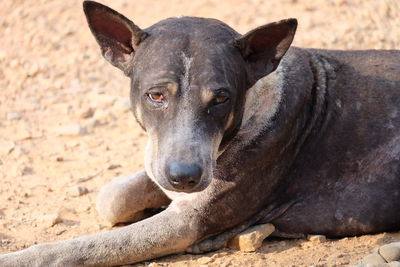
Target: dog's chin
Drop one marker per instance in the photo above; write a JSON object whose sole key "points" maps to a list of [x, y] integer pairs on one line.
{"points": [[198, 188], [165, 185]]}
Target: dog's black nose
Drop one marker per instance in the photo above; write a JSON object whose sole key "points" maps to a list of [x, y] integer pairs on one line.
{"points": [[183, 177]]}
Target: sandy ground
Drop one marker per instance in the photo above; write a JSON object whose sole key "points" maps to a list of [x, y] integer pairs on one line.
{"points": [[65, 120]]}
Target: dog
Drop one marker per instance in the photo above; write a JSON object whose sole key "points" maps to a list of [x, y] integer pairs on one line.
{"points": [[243, 129]]}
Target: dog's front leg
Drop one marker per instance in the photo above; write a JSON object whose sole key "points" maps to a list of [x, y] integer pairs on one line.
{"points": [[168, 232], [130, 199]]}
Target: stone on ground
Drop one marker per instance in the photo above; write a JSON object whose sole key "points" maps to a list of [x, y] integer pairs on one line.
{"points": [[69, 130], [77, 191], [317, 238], [390, 252], [49, 220], [373, 258], [252, 238]]}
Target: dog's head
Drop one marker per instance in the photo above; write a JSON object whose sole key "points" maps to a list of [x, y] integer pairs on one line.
{"points": [[189, 77]]}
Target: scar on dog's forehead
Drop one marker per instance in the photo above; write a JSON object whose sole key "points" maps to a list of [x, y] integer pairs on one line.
{"points": [[186, 73]]}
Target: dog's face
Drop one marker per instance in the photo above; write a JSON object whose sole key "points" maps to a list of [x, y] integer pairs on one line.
{"points": [[189, 77], [186, 93]]}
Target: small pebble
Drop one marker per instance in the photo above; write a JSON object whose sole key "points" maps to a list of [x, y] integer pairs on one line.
{"points": [[60, 232], [103, 116], [90, 124], [6, 147], [26, 171], [14, 63], [77, 191], [113, 166], [49, 220], [317, 238], [13, 116], [252, 238], [69, 130], [390, 252], [373, 258], [23, 134], [85, 113], [205, 260]]}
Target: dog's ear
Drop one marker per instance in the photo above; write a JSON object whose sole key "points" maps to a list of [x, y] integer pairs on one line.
{"points": [[117, 36], [263, 47]]}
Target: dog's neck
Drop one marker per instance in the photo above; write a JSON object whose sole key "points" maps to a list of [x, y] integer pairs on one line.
{"points": [[281, 111]]}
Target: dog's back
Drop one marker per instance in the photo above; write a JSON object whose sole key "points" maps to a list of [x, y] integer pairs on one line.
{"points": [[351, 157]]}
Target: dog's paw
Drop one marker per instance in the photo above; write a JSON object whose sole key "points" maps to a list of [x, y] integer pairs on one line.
{"points": [[206, 246]]}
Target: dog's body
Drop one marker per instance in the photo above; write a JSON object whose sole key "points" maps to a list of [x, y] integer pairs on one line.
{"points": [[314, 147]]}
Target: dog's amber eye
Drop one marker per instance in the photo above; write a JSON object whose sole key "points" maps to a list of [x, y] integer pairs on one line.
{"points": [[220, 100], [156, 97]]}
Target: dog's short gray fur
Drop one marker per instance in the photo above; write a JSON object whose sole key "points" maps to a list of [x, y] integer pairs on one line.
{"points": [[314, 147]]}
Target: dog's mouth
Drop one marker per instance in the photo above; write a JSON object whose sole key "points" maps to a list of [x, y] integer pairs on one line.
{"points": [[179, 174], [181, 177]]}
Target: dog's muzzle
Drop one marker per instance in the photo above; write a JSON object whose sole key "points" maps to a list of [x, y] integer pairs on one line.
{"points": [[183, 177]]}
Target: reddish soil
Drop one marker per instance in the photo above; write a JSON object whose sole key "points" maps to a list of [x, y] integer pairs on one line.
{"points": [[53, 74]]}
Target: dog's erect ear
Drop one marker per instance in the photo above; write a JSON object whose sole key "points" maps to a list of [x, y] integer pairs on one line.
{"points": [[117, 36], [263, 47]]}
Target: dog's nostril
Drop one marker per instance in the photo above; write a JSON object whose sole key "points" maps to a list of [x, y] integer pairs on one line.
{"points": [[183, 177], [174, 180], [192, 183]]}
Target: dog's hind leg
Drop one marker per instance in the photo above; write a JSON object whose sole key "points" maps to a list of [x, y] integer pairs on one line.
{"points": [[130, 199]]}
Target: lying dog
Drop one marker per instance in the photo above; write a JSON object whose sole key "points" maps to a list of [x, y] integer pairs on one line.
{"points": [[314, 147]]}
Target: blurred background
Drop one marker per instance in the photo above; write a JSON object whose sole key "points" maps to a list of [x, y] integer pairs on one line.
{"points": [[65, 124]]}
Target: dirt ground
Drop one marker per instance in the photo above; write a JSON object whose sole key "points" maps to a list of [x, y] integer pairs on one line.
{"points": [[65, 125]]}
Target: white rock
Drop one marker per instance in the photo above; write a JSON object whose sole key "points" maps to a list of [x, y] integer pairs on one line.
{"points": [[66, 211], [13, 116], [49, 220], [317, 238], [69, 130], [72, 143], [6, 147], [33, 70], [18, 151], [390, 252], [77, 191], [90, 124], [252, 238], [14, 63], [26, 171], [85, 113], [373, 258], [205, 260], [24, 133], [100, 90]]}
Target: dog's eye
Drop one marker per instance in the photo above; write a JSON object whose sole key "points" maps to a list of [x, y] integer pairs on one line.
{"points": [[156, 97], [220, 100]]}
